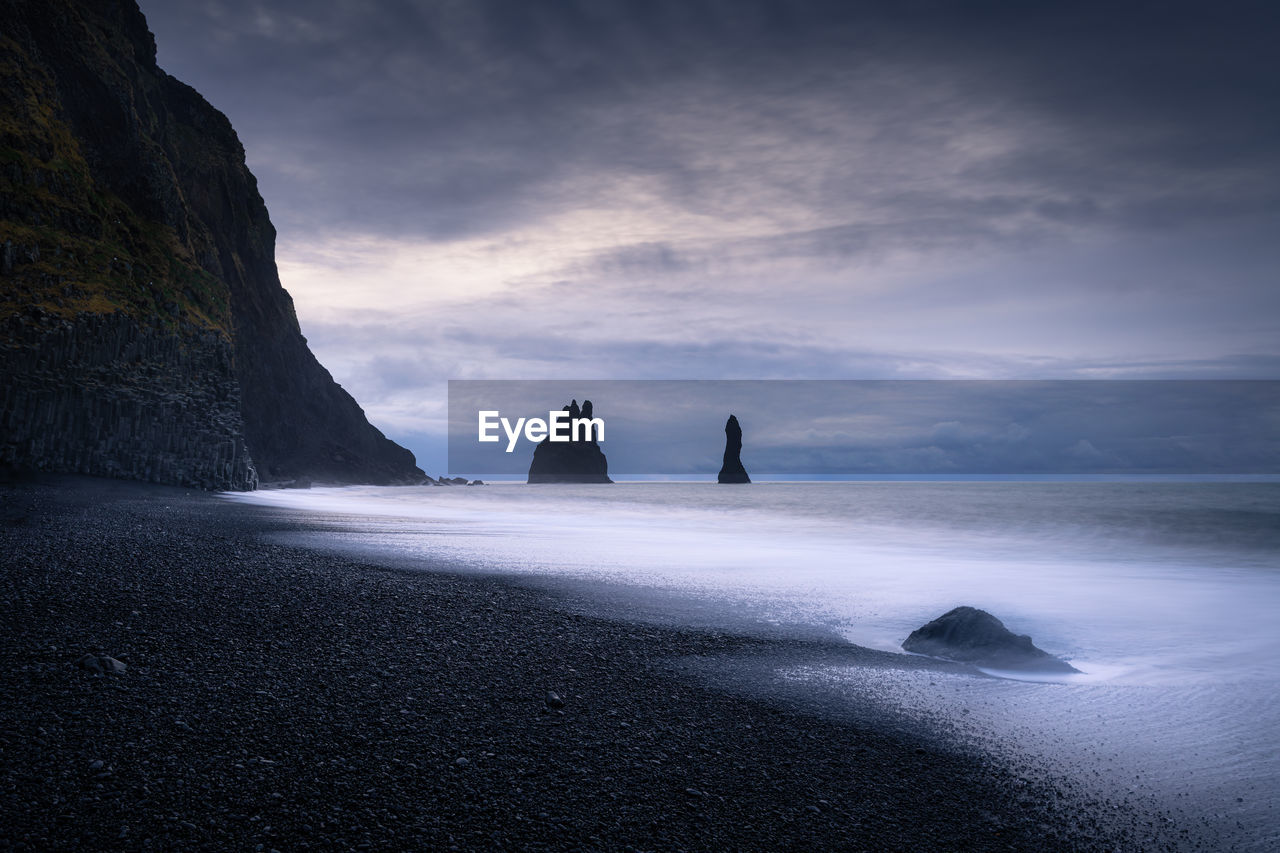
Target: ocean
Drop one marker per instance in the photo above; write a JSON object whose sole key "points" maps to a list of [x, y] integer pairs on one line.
{"points": [[1166, 595]]}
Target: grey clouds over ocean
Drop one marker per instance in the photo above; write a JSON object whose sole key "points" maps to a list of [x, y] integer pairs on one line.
{"points": [[710, 190]]}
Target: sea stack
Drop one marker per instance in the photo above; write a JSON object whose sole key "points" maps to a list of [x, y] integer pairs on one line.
{"points": [[570, 461], [970, 635], [732, 470]]}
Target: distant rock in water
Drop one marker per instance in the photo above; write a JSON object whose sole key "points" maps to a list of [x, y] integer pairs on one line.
{"points": [[970, 635], [732, 470], [570, 461]]}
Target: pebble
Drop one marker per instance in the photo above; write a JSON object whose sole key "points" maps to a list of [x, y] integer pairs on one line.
{"points": [[113, 666]]}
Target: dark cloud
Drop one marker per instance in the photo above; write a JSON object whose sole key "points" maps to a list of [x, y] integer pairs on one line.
{"points": [[441, 119], [758, 188]]}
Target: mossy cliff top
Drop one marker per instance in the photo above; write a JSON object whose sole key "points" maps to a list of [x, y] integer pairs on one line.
{"points": [[92, 213]]}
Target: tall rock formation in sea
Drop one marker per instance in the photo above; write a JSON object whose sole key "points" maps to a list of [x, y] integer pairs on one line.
{"points": [[570, 461], [143, 329], [732, 471]]}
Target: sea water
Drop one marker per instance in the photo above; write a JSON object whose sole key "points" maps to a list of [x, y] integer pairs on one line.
{"points": [[1166, 595]]}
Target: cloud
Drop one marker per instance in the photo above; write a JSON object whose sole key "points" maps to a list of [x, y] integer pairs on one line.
{"points": [[443, 120], [1084, 452], [756, 189], [893, 426]]}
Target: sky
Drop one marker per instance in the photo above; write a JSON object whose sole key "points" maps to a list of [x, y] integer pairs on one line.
{"points": [[857, 428], [755, 189]]}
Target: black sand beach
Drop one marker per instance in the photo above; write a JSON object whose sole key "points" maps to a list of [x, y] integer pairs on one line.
{"points": [[280, 699]]}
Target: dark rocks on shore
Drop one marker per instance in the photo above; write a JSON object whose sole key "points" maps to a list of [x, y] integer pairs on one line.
{"points": [[732, 471], [969, 635], [112, 666], [580, 461], [102, 665]]}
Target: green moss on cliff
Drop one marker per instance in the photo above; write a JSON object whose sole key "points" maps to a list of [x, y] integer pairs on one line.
{"points": [[69, 244]]}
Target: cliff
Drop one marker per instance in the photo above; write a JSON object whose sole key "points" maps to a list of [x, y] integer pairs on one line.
{"points": [[731, 471], [143, 329], [570, 461]]}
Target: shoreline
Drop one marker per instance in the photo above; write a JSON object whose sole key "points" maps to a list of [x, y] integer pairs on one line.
{"points": [[297, 700]]}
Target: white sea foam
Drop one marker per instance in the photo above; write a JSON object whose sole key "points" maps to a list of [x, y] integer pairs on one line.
{"points": [[1136, 584], [1164, 595]]}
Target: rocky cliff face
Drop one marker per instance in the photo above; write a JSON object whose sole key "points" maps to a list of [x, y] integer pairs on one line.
{"points": [[101, 395], [143, 328]]}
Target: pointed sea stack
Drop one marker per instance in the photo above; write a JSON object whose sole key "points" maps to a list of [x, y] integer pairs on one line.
{"points": [[570, 461], [732, 470]]}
